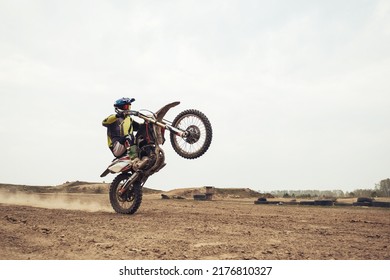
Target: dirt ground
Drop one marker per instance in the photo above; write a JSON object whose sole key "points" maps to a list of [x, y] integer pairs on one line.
{"points": [[83, 226]]}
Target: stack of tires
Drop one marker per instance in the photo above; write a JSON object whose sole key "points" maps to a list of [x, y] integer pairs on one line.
{"points": [[367, 201], [363, 201], [261, 200]]}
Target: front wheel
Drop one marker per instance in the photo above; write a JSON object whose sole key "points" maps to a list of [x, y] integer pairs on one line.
{"points": [[198, 134], [129, 201]]}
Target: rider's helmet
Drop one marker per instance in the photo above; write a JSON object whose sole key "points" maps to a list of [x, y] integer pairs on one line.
{"points": [[123, 104]]}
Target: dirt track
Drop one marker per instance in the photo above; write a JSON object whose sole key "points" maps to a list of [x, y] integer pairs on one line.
{"points": [[187, 229]]}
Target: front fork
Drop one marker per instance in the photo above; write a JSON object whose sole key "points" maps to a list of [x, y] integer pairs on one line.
{"points": [[128, 183], [177, 131]]}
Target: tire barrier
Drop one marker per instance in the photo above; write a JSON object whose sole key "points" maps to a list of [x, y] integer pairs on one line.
{"points": [[164, 196], [367, 204], [200, 197], [361, 201], [324, 202], [306, 202], [365, 199], [381, 204], [342, 204], [261, 200]]}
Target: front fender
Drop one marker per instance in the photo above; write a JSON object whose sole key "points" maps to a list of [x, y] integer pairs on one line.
{"points": [[161, 113]]}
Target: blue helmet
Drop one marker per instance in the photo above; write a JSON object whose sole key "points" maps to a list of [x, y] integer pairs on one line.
{"points": [[123, 103]]}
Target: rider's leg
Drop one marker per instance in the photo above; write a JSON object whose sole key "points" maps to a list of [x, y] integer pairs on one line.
{"points": [[118, 149]]}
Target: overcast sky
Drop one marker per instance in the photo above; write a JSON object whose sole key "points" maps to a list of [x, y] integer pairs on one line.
{"points": [[298, 92]]}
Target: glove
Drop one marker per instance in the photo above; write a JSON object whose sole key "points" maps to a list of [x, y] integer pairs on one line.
{"points": [[128, 138]]}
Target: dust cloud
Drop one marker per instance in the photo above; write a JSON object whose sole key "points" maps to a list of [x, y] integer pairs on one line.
{"points": [[90, 203]]}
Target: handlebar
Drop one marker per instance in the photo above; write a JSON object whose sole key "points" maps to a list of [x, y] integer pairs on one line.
{"points": [[133, 113]]}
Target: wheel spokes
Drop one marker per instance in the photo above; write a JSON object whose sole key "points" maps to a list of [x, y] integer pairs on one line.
{"points": [[196, 134]]}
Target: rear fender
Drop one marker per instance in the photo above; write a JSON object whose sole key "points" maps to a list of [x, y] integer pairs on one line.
{"points": [[104, 174], [118, 165]]}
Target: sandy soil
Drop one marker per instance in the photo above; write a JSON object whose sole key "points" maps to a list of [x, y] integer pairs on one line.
{"points": [[81, 226]]}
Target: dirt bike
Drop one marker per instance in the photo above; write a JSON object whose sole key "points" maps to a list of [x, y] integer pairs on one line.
{"points": [[190, 137]]}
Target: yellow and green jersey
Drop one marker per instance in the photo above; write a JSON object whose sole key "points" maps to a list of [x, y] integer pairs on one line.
{"points": [[118, 127]]}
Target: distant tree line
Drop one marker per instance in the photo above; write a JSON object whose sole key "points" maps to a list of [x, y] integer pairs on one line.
{"points": [[382, 189]]}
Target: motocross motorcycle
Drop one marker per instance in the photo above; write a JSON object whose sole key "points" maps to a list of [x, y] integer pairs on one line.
{"points": [[190, 137]]}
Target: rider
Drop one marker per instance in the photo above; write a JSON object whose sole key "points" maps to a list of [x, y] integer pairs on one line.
{"points": [[120, 127]]}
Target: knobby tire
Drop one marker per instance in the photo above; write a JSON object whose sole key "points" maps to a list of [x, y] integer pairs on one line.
{"points": [[134, 192], [183, 148]]}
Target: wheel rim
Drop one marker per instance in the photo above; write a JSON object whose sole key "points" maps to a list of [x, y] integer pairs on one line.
{"points": [[196, 137], [126, 199]]}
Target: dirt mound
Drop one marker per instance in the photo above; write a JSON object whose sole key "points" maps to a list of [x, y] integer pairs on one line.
{"points": [[24, 188], [102, 188], [68, 187], [76, 183], [217, 192]]}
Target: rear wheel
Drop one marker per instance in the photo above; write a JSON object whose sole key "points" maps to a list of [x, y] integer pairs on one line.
{"points": [[198, 134], [130, 200]]}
